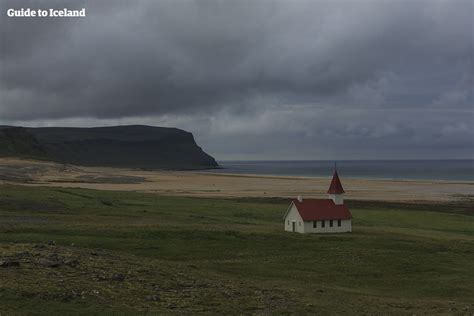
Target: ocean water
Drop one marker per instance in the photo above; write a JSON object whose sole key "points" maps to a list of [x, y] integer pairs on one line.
{"points": [[378, 169]]}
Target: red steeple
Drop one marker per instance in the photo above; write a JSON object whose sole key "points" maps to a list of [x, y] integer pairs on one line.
{"points": [[336, 186]]}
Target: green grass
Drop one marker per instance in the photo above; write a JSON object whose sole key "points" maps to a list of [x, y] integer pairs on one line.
{"points": [[196, 255]]}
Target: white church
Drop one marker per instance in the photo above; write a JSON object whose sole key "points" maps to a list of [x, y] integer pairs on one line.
{"points": [[320, 215]]}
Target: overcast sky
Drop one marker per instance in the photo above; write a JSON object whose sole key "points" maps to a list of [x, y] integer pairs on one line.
{"points": [[256, 79]]}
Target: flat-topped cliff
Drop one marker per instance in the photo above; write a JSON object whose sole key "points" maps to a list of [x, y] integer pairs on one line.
{"points": [[134, 146]]}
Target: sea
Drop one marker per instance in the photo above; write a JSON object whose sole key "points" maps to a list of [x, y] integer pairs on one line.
{"points": [[461, 170]]}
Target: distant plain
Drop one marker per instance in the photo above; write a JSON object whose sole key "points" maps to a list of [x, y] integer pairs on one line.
{"points": [[206, 184]]}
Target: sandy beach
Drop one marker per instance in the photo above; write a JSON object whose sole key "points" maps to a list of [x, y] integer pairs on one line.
{"points": [[201, 183]]}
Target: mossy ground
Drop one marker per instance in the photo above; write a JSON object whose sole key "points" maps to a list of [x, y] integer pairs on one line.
{"points": [[144, 253]]}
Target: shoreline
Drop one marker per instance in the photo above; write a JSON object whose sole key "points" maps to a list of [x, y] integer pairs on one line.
{"points": [[277, 176], [223, 185]]}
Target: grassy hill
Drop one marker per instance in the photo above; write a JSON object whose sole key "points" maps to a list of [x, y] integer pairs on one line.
{"points": [[85, 251], [119, 146]]}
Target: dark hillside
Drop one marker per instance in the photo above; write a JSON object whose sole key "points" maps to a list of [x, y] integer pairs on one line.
{"points": [[17, 141], [119, 146]]}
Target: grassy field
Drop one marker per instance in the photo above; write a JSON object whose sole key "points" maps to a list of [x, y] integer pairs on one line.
{"points": [[90, 252]]}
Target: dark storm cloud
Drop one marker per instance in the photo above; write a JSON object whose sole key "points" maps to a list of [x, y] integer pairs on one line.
{"points": [[355, 71]]}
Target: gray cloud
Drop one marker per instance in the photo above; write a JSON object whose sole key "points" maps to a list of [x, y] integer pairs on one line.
{"points": [[299, 79]]}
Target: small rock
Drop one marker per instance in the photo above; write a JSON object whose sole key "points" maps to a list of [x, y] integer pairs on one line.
{"points": [[100, 278], [71, 263], [118, 277], [51, 243], [9, 263], [49, 263], [55, 257], [23, 254], [153, 298]]}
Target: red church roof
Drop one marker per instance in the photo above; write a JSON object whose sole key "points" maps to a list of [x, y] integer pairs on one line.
{"points": [[336, 186], [319, 209]]}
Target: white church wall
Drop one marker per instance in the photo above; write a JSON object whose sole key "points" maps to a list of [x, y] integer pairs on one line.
{"points": [[294, 216], [346, 226]]}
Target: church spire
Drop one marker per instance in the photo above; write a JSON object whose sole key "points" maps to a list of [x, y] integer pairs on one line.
{"points": [[336, 186]]}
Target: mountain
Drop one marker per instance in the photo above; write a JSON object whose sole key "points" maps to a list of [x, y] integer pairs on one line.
{"points": [[134, 146]]}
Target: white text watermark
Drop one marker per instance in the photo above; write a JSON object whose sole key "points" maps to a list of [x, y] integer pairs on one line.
{"points": [[44, 13]]}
